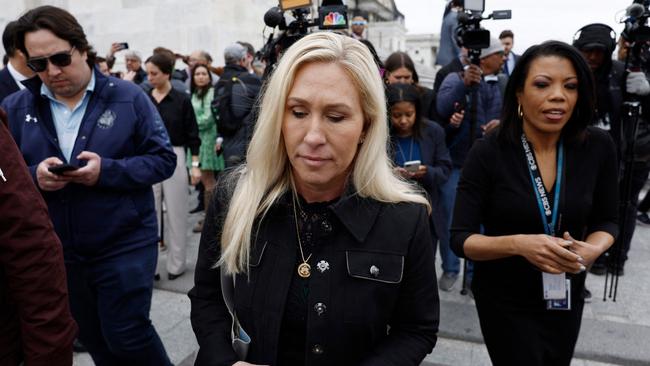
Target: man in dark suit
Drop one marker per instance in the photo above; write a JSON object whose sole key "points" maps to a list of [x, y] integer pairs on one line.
{"points": [[507, 39], [16, 70]]}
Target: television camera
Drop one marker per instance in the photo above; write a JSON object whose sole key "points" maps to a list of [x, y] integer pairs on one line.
{"points": [[332, 15], [469, 33]]}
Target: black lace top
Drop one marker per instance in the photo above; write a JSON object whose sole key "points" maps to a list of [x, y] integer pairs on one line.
{"points": [[314, 223]]}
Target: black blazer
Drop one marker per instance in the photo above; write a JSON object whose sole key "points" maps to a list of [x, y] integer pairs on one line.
{"points": [[435, 156], [7, 84], [359, 306]]}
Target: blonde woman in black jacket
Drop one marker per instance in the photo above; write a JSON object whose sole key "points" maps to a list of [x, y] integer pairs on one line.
{"points": [[329, 249]]}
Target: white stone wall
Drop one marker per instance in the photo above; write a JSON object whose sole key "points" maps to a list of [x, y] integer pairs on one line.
{"points": [[387, 37], [422, 48], [181, 25]]}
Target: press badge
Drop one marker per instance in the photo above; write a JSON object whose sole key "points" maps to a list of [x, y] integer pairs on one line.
{"points": [[562, 304], [554, 286]]}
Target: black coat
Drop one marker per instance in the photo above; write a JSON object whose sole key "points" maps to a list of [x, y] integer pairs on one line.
{"points": [[360, 307], [7, 84]]}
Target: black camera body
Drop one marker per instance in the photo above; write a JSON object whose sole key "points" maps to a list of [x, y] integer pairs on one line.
{"points": [[332, 15], [637, 34], [470, 35], [636, 24]]}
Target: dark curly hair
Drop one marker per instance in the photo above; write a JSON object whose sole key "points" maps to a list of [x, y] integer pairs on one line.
{"points": [[57, 21]]}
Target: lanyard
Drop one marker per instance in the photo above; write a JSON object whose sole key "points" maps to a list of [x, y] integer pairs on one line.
{"points": [[548, 213], [402, 151]]}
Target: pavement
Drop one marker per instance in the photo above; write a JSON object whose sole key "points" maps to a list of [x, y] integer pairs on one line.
{"points": [[612, 333]]}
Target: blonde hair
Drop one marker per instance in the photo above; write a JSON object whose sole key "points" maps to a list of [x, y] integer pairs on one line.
{"points": [[267, 173]]}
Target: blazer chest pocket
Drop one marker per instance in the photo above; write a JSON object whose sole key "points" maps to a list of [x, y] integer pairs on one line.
{"points": [[380, 267]]}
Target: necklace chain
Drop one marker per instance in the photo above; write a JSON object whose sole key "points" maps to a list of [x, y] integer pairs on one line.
{"points": [[304, 269]]}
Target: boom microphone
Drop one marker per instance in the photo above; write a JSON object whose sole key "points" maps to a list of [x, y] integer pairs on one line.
{"points": [[273, 17], [635, 10]]}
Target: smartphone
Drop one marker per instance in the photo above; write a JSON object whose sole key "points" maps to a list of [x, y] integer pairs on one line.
{"points": [[124, 45], [458, 107], [62, 168], [412, 166]]}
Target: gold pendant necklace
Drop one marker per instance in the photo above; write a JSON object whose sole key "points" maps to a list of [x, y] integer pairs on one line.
{"points": [[304, 269]]}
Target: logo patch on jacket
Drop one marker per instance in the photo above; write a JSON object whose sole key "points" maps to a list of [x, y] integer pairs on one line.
{"points": [[29, 118], [107, 119]]}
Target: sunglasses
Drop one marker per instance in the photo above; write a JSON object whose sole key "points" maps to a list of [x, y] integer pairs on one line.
{"points": [[356, 22], [60, 59]]}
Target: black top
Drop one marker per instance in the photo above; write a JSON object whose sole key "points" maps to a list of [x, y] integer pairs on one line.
{"points": [[178, 115], [140, 76], [495, 191], [315, 223]]}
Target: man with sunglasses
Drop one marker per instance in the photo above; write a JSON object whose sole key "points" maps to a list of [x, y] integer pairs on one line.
{"points": [[94, 146], [358, 26]]}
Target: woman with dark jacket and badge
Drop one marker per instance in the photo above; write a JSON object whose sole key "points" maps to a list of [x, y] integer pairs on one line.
{"points": [[418, 150], [324, 252], [544, 189]]}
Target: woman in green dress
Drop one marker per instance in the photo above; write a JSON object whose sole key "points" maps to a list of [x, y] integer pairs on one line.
{"points": [[210, 162]]}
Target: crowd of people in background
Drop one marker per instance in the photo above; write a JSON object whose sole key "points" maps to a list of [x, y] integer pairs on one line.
{"points": [[111, 155]]}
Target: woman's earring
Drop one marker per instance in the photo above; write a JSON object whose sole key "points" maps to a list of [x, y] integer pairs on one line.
{"points": [[520, 112], [362, 139]]}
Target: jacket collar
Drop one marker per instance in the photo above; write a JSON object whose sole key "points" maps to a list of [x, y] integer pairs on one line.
{"points": [[234, 69], [356, 213]]}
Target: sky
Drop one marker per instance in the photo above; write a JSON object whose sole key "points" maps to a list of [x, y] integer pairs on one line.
{"points": [[533, 21]]}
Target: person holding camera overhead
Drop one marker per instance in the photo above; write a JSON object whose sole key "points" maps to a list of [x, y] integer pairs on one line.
{"points": [[536, 204], [418, 150], [329, 250], [454, 106]]}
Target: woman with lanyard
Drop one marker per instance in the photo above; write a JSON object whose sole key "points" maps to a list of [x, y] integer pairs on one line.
{"points": [[544, 188], [418, 150]]}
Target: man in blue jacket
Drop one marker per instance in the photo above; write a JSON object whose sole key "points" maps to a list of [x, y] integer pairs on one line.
{"points": [[454, 104], [101, 203]]}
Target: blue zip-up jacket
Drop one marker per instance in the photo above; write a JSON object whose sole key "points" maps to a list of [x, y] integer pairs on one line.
{"points": [[122, 126], [452, 91]]}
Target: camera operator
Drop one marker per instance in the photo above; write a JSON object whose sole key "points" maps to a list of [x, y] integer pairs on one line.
{"points": [[449, 49], [453, 95], [596, 42]]}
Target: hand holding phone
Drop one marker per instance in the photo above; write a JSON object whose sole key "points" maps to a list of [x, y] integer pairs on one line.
{"points": [[412, 166], [62, 168]]}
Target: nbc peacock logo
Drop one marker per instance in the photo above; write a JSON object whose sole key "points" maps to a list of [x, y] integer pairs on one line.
{"points": [[334, 18]]}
